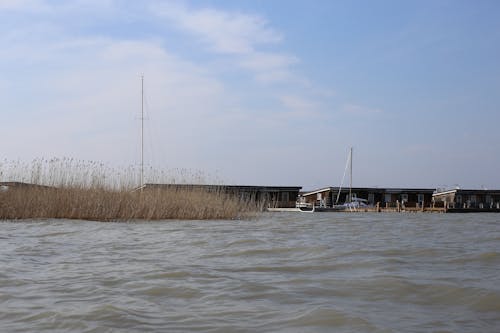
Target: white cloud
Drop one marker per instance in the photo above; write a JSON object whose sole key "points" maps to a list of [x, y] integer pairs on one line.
{"points": [[260, 61], [299, 105], [269, 67], [223, 32], [235, 34]]}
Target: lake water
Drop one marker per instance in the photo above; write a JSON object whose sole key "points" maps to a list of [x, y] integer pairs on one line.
{"points": [[282, 272]]}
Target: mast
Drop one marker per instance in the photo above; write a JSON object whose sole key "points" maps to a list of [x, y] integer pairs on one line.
{"points": [[142, 131], [350, 176]]}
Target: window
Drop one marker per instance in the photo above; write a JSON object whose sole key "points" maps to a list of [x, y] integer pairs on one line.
{"points": [[459, 199], [371, 198], [404, 197], [420, 198], [388, 197], [285, 196]]}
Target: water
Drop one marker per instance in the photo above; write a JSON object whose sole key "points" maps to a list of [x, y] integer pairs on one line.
{"points": [[321, 272]]}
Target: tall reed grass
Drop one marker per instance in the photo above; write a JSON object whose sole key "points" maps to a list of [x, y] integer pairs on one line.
{"points": [[73, 189]]}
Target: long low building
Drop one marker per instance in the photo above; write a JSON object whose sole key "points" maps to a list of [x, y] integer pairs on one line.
{"points": [[468, 200], [329, 196], [6, 186], [270, 196]]}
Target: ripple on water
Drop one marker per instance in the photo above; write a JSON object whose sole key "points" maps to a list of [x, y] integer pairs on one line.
{"points": [[170, 292], [484, 257], [330, 319], [282, 273], [119, 316], [168, 275], [486, 301]]}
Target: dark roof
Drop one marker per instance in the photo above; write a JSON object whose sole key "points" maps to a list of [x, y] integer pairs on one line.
{"points": [[373, 189], [246, 188], [21, 184], [468, 191]]}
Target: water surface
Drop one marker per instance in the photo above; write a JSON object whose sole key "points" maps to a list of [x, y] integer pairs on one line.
{"points": [[321, 272]]}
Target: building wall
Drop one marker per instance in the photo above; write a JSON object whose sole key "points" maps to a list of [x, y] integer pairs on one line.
{"points": [[373, 196], [269, 196], [477, 199]]}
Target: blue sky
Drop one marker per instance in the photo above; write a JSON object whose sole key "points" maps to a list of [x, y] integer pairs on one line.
{"points": [[259, 92]]}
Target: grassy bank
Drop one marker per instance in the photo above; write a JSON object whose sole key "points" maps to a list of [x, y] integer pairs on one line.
{"points": [[110, 205], [96, 194]]}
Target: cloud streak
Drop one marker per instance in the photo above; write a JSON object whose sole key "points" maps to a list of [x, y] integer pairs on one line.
{"points": [[234, 34], [222, 31]]}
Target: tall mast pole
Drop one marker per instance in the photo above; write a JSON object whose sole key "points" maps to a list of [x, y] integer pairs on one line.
{"points": [[142, 131], [350, 174]]}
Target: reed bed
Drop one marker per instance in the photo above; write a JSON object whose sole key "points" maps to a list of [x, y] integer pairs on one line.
{"points": [[69, 189]]}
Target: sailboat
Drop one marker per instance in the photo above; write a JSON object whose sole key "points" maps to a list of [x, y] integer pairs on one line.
{"points": [[352, 203], [347, 205]]}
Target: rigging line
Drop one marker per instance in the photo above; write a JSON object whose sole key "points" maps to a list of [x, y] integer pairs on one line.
{"points": [[343, 178]]}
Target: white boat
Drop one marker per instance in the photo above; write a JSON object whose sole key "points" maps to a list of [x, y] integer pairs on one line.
{"points": [[357, 203], [302, 209]]}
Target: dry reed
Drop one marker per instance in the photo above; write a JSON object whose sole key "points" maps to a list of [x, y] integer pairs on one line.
{"points": [[76, 190]]}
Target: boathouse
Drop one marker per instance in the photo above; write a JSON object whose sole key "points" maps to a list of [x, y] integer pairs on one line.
{"points": [[386, 197], [269, 196], [463, 200]]}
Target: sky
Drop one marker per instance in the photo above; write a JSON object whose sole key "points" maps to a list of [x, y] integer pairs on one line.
{"points": [[258, 92]]}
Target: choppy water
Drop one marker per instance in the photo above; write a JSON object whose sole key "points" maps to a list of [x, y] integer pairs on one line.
{"points": [[329, 272]]}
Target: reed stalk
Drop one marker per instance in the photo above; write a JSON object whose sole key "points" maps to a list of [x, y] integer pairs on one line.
{"points": [[72, 189]]}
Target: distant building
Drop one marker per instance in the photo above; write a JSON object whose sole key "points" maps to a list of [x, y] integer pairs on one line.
{"points": [[6, 186], [327, 197], [468, 200], [270, 196]]}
